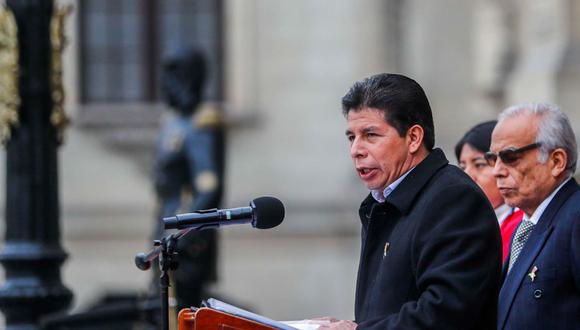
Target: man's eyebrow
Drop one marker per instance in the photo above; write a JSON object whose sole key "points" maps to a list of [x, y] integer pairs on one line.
{"points": [[370, 129]]}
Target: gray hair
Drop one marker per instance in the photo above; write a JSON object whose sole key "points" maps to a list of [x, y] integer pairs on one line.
{"points": [[554, 130]]}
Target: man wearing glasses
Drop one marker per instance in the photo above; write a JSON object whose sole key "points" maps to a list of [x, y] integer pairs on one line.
{"points": [[533, 154]]}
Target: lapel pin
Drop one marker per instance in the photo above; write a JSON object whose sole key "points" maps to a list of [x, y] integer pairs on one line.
{"points": [[385, 250], [532, 274]]}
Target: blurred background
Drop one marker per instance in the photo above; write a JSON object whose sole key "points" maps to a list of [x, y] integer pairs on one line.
{"points": [[278, 70]]}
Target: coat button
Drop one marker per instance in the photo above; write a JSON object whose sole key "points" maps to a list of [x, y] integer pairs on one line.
{"points": [[538, 294]]}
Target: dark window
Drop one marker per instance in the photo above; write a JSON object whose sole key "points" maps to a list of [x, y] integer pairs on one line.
{"points": [[123, 42]]}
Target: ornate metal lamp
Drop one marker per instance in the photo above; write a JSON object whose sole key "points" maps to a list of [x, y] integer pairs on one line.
{"points": [[31, 126]]}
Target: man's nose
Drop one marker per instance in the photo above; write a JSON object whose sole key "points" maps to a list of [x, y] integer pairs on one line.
{"points": [[357, 149], [499, 169]]}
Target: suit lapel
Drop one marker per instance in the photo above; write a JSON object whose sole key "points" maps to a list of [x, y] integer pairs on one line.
{"points": [[518, 273], [530, 251]]}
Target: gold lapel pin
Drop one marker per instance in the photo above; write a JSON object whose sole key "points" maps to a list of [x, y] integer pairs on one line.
{"points": [[386, 248], [532, 274]]}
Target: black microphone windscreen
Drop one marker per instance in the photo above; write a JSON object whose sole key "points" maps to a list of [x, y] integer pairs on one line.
{"points": [[269, 212]]}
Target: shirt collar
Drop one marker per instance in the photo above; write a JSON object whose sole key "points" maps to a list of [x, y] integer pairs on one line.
{"points": [[502, 212], [542, 207], [381, 197]]}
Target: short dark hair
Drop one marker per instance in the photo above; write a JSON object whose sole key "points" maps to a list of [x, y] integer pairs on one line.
{"points": [[479, 137], [401, 98]]}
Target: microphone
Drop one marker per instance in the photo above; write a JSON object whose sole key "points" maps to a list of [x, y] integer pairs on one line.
{"points": [[263, 213]]}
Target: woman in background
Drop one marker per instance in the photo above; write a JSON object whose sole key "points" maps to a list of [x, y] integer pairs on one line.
{"points": [[469, 152]]}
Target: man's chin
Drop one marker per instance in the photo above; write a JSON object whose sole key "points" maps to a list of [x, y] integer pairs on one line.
{"points": [[512, 202], [373, 187]]}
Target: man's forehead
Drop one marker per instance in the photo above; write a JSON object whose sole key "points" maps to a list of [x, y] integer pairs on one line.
{"points": [[514, 132], [365, 111], [366, 117]]}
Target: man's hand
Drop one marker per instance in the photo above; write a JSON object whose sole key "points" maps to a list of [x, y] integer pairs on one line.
{"points": [[339, 325]]}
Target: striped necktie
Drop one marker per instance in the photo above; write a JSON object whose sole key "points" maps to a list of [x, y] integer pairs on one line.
{"points": [[520, 239]]}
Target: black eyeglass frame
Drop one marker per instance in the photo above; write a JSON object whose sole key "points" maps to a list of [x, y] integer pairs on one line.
{"points": [[509, 155]]}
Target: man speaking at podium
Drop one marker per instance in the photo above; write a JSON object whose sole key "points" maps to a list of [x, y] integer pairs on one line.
{"points": [[431, 248]]}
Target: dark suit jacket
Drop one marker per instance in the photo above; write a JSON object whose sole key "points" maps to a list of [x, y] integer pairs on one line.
{"points": [[431, 254], [552, 299]]}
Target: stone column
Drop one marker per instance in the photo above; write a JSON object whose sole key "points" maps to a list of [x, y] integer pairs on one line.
{"points": [[543, 36], [494, 53], [568, 75]]}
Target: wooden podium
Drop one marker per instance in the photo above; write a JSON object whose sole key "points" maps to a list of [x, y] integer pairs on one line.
{"points": [[210, 319]]}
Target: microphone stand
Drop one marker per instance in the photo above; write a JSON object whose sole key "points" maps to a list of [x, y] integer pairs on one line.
{"points": [[166, 263], [165, 250]]}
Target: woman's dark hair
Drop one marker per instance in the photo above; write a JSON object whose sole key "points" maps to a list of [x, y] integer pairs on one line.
{"points": [[479, 137], [402, 100]]}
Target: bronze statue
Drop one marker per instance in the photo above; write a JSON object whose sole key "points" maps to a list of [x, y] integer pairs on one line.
{"points": [[189, 170]]}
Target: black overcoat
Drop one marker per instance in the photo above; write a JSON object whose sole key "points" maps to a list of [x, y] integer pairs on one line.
{"points": [[431, 254]]}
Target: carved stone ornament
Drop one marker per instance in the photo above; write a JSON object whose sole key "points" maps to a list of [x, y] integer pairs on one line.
{"points": [[9, 73], [58, 117]]}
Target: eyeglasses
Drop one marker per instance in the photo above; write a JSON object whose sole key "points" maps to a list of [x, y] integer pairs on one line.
{"points": [[509, 155]]}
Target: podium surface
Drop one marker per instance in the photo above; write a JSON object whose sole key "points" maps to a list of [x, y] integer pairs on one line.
{"points": [[211, 319]]}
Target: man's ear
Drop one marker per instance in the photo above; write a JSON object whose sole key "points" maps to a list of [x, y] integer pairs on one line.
{"points": [[415, 136], [558, 161]]}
